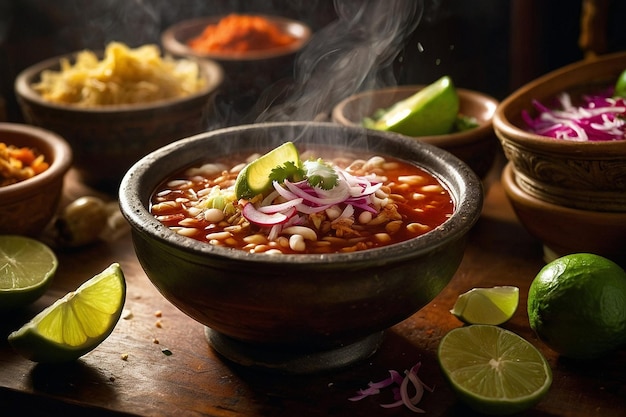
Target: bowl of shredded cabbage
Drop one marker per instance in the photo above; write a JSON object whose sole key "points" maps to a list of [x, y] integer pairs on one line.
{"points": [[565, 135], [116, 105]]}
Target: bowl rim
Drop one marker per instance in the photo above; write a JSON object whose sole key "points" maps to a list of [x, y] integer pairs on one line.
{"points": [[60, 164], [506, 130], [517, 194], [459, 138], [211, 70], [177, 46], [466, 213]]}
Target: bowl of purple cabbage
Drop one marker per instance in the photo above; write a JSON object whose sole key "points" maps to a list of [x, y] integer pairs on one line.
{"points": [[565, 134]]}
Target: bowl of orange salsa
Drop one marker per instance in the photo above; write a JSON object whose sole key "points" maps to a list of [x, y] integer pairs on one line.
{"points": [[256, 51], [356, 233]]}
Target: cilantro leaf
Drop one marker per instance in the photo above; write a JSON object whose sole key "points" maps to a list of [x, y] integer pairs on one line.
{"points": [[289, 170], [320, 174]]}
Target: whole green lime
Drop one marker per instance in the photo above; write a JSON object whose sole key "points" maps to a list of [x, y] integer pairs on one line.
{"points": [[577, 305]]}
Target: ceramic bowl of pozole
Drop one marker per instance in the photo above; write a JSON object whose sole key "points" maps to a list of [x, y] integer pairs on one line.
{"points": [[301, 307]]}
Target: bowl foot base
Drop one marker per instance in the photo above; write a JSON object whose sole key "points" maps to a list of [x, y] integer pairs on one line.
{"points": [[293, 361]]}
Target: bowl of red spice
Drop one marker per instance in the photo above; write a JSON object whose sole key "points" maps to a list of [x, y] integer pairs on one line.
{"points": [[564, 134], [33, 164], [255, 51], [297, 244]]}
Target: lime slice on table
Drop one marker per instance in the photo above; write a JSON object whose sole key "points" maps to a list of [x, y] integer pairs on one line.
{"points": [[431, 111], [254, 178], [76, 323], [27, 267], [493, 305], [493, 370]]}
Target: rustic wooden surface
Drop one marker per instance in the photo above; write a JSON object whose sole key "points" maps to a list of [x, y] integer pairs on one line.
{"points": [[194, 381]]}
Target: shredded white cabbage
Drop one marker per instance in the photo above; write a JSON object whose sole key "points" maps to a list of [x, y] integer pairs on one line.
{"points": [[123, 76]]}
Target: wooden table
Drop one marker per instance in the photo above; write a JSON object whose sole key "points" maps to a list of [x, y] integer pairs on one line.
{"points": [[129, 373]]}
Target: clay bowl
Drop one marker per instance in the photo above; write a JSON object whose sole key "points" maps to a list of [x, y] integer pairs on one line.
{"points": [[107, 140], [476, 147], [564, 230], [297, 313], [29, 205], [583, 175], [248, 74]]}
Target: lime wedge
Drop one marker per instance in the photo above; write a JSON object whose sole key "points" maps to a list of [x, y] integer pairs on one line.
{"points": [[493, 305], [76, 323], [431, 111], [254, 178], [620, 85], [493, 370], [27, 267]]}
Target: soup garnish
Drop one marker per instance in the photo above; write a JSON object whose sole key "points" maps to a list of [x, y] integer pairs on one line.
{"points": [[19, 163], [313, 205]]}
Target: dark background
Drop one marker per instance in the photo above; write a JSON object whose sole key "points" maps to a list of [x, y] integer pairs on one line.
{"points": [[493, 46]]}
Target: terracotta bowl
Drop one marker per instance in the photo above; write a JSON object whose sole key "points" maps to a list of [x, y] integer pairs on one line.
{"points": [[298, 313], [477, 147], [583, 175], [29, 205], [247, 75], [565, 230], [107, 140]]}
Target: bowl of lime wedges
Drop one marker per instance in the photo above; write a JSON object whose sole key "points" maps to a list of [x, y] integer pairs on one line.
{"points": [[457, 120]]}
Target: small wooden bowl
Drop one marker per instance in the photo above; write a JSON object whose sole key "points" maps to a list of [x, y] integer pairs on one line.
{"points": [[477, 147], [28, 206]]}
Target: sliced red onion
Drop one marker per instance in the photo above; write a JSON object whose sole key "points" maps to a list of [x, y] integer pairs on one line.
{"points": [[402, 397], [276, 208], [263, 219]]}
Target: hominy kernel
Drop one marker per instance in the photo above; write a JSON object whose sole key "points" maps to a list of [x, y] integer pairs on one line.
{"points": [[296, 243], [390, 165], [186, 231], [417, 227], [365, 217], [333, 212], [274, 252], [382, 237], [218, 236], [189, 222], [231, 241], [412, 179], [418, 196], [256, 239], [393, 226], [433, 188], [179, 184], [213, 215], [305, 232]]}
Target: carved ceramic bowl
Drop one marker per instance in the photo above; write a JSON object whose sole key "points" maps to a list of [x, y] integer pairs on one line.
{"points": [[107, 140], [565, 230], [304, 312], [583, 175], [476, 147], [29, 205]]}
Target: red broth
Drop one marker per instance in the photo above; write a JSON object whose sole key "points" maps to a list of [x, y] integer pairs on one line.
{"points": [[415, 202]]}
